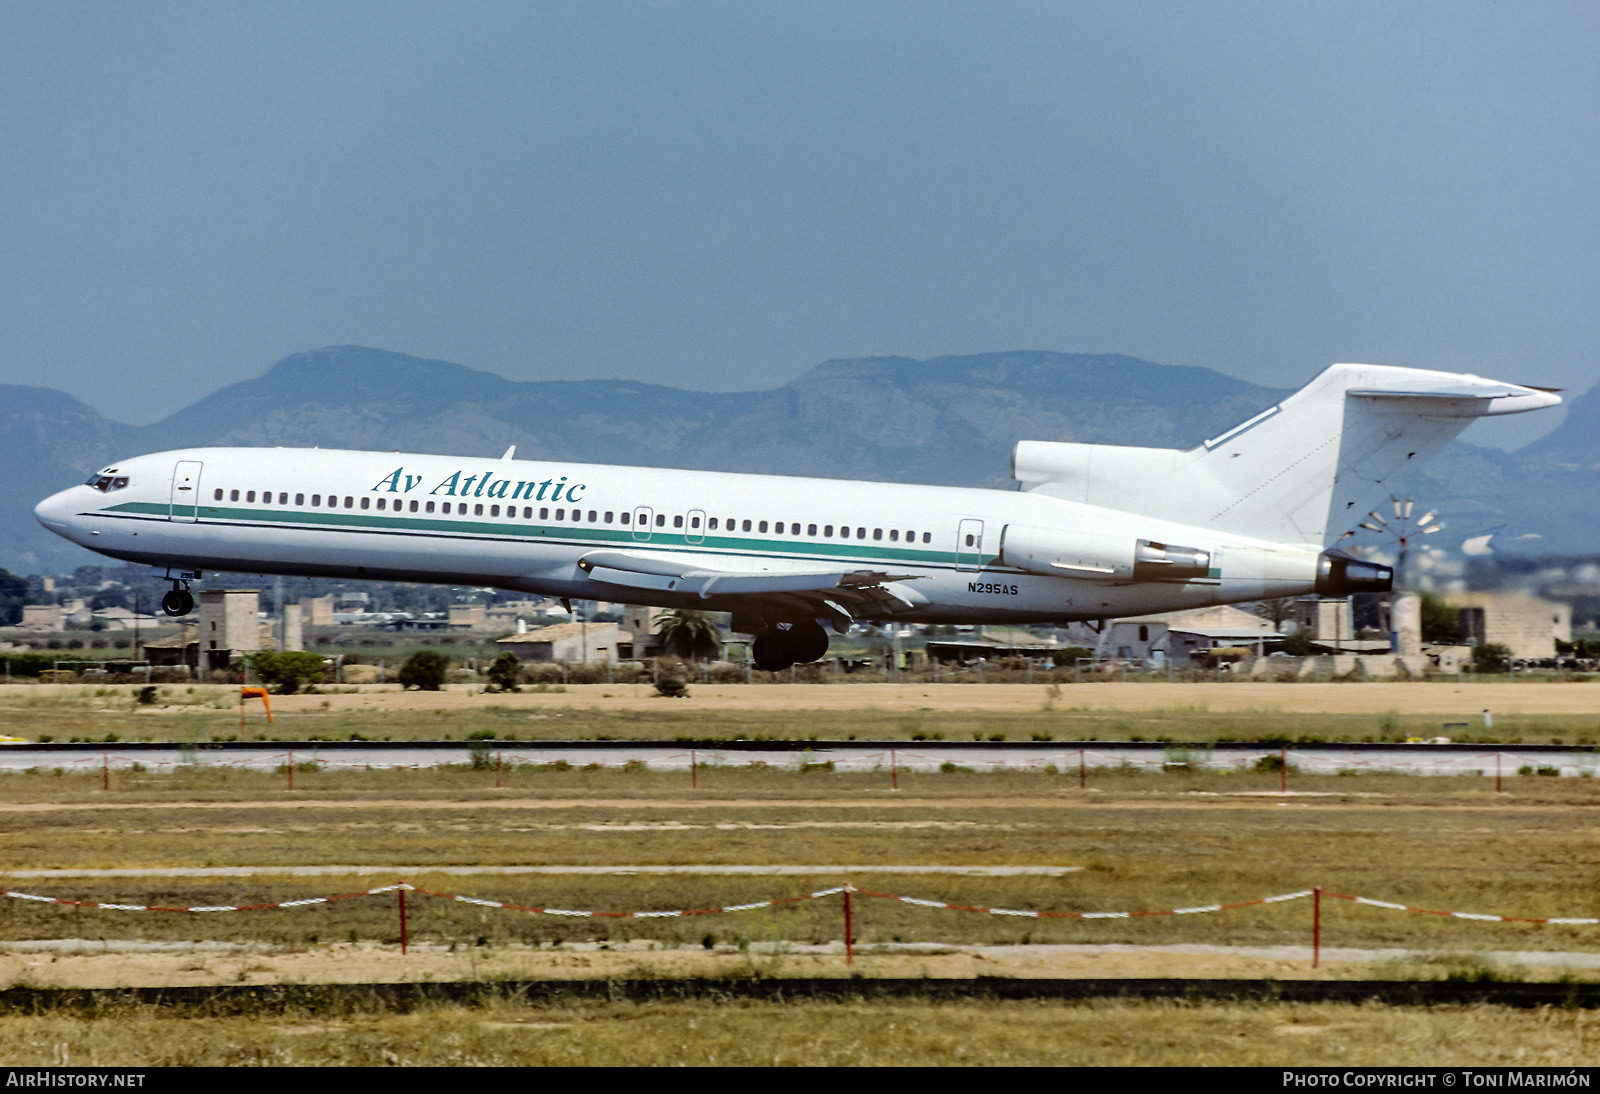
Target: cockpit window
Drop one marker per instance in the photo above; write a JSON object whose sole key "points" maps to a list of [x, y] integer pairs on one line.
{"points": [[107, 480]]}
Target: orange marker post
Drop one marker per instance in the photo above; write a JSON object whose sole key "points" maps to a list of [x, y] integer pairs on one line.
{"points": [[253, 693]]}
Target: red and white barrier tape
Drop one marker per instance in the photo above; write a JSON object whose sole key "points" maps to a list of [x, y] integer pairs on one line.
{"points": [[1479, 916], [775, 902], [631, 915], [204, 908], [1301, 894]]}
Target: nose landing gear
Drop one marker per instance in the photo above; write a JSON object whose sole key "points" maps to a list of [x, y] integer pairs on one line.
{"points": [[789, 643]]}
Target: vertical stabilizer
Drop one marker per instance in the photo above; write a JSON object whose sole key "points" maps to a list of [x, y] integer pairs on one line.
{"points": [[1303, 471]]}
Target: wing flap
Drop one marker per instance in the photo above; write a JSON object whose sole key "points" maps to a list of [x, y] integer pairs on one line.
{"points": [[856, 592]]}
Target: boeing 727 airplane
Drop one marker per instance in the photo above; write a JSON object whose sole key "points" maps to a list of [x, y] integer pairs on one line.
{"points": [[1092, 532]]}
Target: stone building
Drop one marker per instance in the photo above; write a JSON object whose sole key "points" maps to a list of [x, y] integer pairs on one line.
{"points": [[1529, 626]]}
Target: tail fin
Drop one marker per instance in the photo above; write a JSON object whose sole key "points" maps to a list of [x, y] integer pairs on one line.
{"points": [[1303, 471]]}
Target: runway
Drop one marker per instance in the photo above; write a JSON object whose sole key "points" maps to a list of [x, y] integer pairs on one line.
{"points": [[920, 756]]}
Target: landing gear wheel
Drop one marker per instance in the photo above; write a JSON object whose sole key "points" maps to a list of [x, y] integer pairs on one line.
{"points": [[770, 653], [178, 602], [807, 641]]}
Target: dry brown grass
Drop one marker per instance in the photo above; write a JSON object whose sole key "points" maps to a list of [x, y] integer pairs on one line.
{"points": [[759, 1033], [1145, 842]]}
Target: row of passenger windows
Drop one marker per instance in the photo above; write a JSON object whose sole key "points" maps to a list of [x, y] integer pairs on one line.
{"points": [[728, 524]]}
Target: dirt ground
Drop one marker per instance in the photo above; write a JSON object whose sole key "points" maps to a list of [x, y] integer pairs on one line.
{"points": [[1446, 698], [375, 963]]}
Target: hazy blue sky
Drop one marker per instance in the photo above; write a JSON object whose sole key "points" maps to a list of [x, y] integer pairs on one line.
{"points": [[721, 195]]}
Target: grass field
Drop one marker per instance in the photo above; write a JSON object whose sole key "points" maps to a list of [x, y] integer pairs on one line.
{"points": [[1566, 713], [799, 1034], [1144, 842]]}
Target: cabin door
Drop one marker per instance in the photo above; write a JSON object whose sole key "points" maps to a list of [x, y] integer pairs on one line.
{"points": [[696, 531], [969, 545], [185, 491], [641, 522]]}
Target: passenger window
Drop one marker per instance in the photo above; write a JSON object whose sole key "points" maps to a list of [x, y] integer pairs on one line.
{"points": [[544, 514], [445, 508], [494, 510], [911, 537], [969, 541], [877, 533], [811, 529], [477, 510], [429, 507], [794, 529], [762, 526], [827, 531], [608, 516], [350, 503], [747, 526], [694, 522], [413, 507], [592, 516], [861, 533], [299, 499], [383, 503], [316, 500], [527, 512], [661, 520], [561, 514], [366, 502], [712, 524], [927, 537], [283, 499], [233, 495], [894, 535], [250, 495], [677, 522], [214, 497]]}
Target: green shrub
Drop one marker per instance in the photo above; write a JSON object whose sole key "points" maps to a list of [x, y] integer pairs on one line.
{"points": [[505, 673], [286, 670], [424, 670]]}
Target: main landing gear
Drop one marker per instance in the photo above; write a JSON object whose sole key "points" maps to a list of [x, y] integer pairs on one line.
{"points": [[788, 643], [180, 601]]}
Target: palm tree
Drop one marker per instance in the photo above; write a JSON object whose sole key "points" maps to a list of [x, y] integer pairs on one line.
{"points": [[692, 635]]}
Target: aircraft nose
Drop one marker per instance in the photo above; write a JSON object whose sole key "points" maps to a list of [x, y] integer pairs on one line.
{"points": [[53, 512]]}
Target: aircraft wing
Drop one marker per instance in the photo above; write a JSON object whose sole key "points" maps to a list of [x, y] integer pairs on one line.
{"points": [[840, 594]]}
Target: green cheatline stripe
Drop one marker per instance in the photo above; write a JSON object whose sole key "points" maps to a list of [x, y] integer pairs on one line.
{"points": [[611, 536]]}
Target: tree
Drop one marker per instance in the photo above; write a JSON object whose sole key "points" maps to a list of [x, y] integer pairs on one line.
{"points": [[288, 669], [1277, 611], [1491, 658], [690, 634], [424, 670], [1441, 622], [506, 673], [13, 595]]}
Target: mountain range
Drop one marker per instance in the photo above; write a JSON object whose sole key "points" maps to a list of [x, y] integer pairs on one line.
{"points": [[947, 420]]}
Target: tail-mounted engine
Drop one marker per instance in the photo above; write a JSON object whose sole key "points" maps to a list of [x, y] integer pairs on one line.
{"points": [[1339, 575], [1059, 552]]}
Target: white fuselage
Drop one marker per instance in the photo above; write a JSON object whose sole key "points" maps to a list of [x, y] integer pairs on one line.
{"points": [[525, 525]]}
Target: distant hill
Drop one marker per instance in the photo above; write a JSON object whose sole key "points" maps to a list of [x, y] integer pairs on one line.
{"points": [[949, 420]]}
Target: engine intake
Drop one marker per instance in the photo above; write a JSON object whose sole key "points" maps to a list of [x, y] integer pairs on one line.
{"points": [[1339, 575]]}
